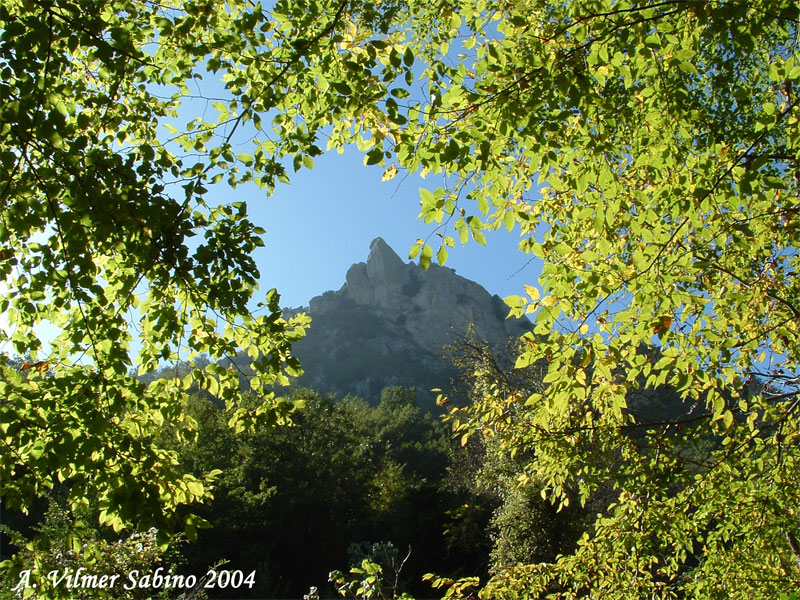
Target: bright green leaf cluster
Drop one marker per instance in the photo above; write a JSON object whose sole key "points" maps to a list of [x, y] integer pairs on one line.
{"points": [[647, 153], [112, 261]]}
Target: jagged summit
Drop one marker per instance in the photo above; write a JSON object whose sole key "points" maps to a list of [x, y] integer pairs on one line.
{"points": [[380, 278], [380, 253], [389, 322]]}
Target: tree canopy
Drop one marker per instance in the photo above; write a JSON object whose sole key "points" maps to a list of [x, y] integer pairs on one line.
{"points": [[113, 262], [645, 151]]}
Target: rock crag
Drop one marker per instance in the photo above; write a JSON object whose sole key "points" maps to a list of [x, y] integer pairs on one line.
{"points": [[389, 323]]}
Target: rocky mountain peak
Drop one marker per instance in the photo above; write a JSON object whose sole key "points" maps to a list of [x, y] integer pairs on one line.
{"points": [[385, 271], [381, 255], [396, 319]]}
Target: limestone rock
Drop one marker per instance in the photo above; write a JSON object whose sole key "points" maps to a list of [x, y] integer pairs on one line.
{"points": [[389, 322]]}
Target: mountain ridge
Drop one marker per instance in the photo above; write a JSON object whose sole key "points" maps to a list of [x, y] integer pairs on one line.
{"points": [[389, 323]]}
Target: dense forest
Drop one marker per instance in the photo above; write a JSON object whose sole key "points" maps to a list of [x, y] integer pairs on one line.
{"points": [[346, 490], [348, 481], [642, 441]]}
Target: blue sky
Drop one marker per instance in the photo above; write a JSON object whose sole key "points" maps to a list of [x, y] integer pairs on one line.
{"points": [[325, 219]]}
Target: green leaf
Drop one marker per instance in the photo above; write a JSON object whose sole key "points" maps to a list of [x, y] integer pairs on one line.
{"points": [[509, 220], [441, 255], [374, 156], [222, 109], [451, 151], [515, 301], [395, 58], [425, 257], [342, 87]]}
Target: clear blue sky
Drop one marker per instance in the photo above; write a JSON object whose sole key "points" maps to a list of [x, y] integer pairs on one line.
{"points": [[324, 221]]}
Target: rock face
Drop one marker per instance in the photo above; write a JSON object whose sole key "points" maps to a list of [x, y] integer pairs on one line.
{"points": [[389, 323]]}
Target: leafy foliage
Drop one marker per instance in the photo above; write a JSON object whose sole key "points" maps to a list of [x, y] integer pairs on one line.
{"points": [[321, 494], [371, 579], [647, 152], [69, 547], [103, 191], [524, 527]]}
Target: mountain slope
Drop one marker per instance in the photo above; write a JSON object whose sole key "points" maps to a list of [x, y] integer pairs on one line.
{"points": [[388, 325]]}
